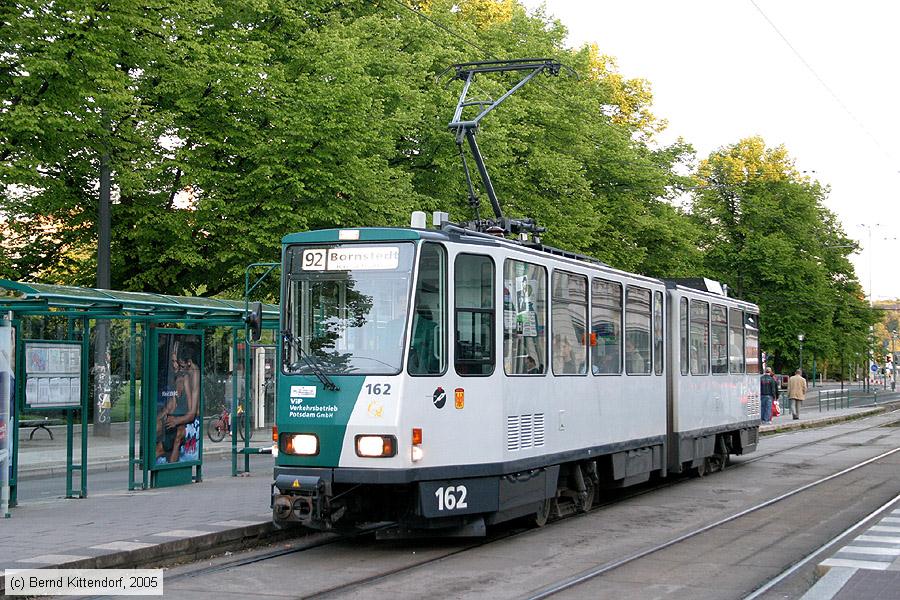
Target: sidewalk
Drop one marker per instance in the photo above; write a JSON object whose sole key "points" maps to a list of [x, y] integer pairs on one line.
{"points": [[117, 528]]}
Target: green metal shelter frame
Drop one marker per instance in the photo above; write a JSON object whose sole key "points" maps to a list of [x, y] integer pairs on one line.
{"points": [[147, 313]]}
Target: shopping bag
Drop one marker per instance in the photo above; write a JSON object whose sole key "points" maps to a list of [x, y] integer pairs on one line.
{"points": [[776, 408]]}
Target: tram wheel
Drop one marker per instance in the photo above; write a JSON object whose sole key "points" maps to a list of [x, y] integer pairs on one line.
{"points": [[543, 512]]}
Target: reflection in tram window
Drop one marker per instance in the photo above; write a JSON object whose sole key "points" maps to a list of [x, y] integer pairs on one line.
{"points": [[699, 338], [606, 327], [736, 340], [637, 331], [524, 318], [569, 314], [719, 339]]}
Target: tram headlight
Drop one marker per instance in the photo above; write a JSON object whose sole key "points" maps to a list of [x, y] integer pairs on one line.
{"points": [[300, 444], [376, 446]]}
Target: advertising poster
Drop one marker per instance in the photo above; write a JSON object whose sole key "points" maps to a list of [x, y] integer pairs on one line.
{"points": [[178, 399]]}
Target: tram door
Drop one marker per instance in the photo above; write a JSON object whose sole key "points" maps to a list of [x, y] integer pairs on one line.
{"points": [[263, 382]]}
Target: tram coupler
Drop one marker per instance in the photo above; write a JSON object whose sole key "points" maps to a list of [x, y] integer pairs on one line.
{"points": [[304, 499]]}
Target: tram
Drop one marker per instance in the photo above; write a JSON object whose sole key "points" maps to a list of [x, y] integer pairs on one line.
{"points": [[442, 379]]}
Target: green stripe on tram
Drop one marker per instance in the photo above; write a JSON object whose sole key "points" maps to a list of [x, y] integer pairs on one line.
{"points": [[325, 415]]}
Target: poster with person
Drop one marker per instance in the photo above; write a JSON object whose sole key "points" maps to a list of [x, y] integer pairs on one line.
{"points": [[178, 416]]}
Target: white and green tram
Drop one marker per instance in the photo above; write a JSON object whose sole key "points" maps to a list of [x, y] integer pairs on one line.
{"points": [[444, 379]]}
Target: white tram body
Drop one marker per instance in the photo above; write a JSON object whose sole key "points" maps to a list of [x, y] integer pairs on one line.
{"points": [[444, 379]]}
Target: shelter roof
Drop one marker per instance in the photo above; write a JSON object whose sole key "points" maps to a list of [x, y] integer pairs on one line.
{"points": [[37, 297]]}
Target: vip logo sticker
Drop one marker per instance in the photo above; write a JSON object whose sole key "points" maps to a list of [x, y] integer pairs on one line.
{"points": [[375, 409], [439, 397]]}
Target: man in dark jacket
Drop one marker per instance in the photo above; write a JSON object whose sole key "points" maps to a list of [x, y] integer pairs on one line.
{"points": [[768, 391]]}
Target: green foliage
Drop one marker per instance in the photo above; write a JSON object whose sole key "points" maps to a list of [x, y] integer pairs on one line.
{"points": [[767, 234], [230, 124]]}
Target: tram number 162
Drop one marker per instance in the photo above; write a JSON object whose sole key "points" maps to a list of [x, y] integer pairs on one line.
{"points": [[451, 497]]}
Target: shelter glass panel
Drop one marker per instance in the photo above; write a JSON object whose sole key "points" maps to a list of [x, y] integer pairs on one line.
{"points": [[637, 331], [569, 318], [606, 327], [524, 318], [699, 338], [475, 314]]}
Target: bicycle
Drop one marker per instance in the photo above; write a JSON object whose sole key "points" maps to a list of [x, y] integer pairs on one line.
{"points": [[220, 424]]}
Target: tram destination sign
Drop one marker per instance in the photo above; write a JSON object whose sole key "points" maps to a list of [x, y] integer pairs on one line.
{"points": [[52, 375], [351, 258]]}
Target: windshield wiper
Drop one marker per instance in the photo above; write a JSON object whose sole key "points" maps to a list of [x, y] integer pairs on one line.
{"points": [[311, 362]]}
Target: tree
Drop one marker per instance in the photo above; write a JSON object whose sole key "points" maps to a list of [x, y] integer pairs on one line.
{"points": [[767, 234]]}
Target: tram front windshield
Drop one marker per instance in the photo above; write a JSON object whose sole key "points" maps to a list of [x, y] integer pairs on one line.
{"points": [[346, 308]]}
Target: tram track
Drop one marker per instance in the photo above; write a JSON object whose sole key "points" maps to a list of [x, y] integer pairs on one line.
{"points": [[588, 574], [321, 540]]}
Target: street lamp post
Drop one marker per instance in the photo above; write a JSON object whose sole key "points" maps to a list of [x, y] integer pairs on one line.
{"points": [[893, 362], [800, 338]]}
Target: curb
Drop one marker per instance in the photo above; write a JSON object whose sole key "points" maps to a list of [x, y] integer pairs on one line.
{"points": [[180, 550], [826, 420]]}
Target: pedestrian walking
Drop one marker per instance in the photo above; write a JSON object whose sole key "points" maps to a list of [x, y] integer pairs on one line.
{"points": [[768, 391], [796, 392]]}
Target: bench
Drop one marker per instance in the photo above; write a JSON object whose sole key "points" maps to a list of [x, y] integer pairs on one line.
{"points": [[36, 424]]}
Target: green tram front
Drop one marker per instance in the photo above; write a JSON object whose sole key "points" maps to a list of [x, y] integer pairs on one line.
{"points": [[361, 309]]}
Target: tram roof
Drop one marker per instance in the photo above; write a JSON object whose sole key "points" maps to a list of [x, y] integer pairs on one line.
{"points": [[36, 297]]}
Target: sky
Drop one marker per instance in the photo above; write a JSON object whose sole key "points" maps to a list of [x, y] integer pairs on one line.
{"points": [[820, 77]]}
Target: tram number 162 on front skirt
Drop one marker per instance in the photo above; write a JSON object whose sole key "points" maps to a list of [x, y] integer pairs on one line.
{"points": [[443, 498]]}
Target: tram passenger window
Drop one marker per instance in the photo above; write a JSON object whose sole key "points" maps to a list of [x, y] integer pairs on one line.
{"points": [[428, 342], [606, 327], [524, 318], [735, 340], [568, 311], [719, 339], [657, 333], [699, 338], [683, 327], [751, 342], [637, 331], [474, 291]]}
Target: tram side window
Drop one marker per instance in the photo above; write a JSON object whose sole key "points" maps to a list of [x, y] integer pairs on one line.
{"points": [[474, 291], [683, 327], [568, 311], [751, 342], [657, 333], [524, 318], [606, 327], [719, 339], [699, 338], [735, 341], [637, 331], [428, 343]]}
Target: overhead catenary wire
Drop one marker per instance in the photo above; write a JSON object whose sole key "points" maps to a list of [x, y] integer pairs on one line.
{"points": [[824, 84]]}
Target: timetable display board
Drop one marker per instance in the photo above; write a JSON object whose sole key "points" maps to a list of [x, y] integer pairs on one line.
{"points": [[52, 375]]}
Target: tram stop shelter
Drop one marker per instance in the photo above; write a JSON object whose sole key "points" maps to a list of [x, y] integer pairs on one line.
{"points": [[52, 374]]}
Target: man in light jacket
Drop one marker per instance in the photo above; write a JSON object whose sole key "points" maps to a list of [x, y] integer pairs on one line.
{"points": [[796, 392]]}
